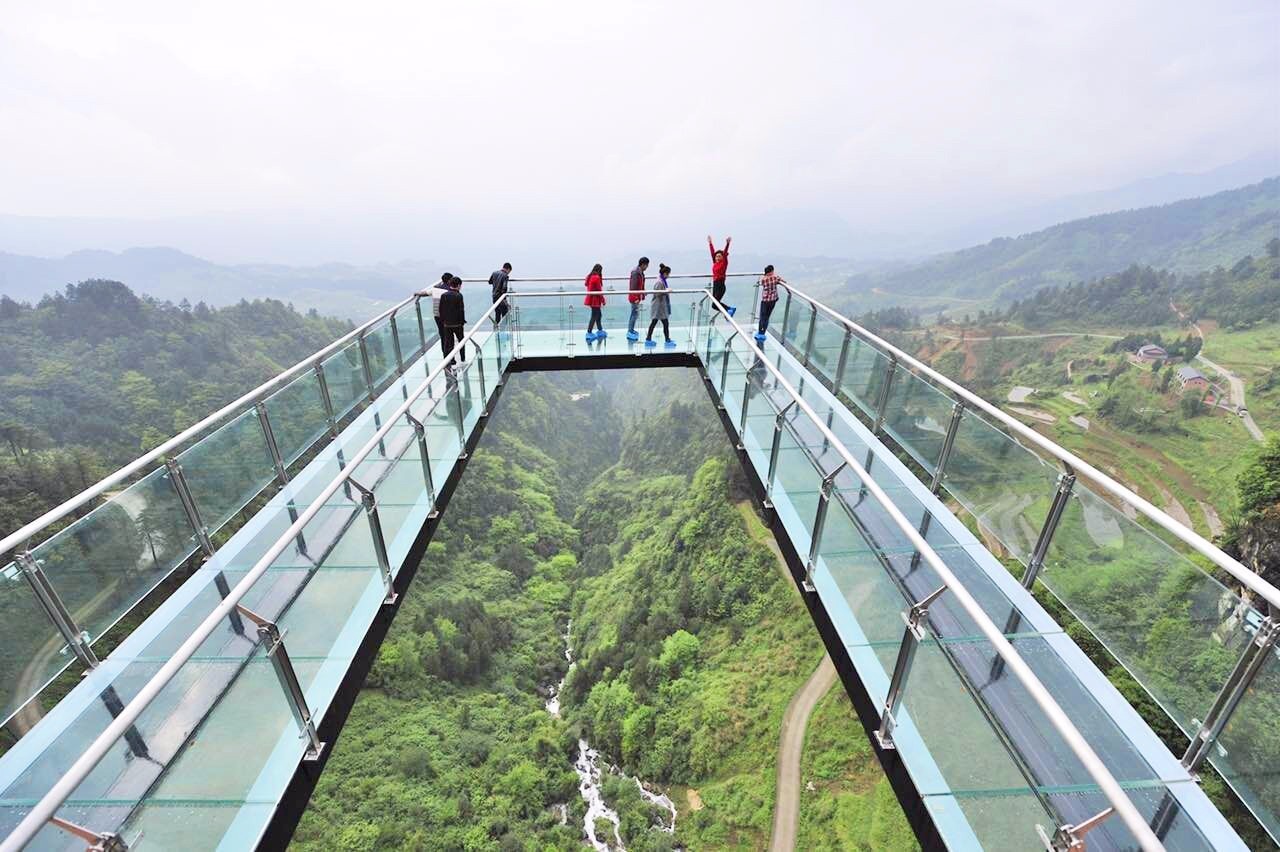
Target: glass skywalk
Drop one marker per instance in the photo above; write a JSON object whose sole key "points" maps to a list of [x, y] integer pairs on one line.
{"points": [[188, 734]]}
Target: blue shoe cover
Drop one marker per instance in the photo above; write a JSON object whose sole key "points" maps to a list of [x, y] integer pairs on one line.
{"points": [[650, 344], [670, 344], [633, 335], [732, 309]]}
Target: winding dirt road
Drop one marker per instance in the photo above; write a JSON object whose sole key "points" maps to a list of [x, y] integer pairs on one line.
{"points": [[1234, 382], [786, 808]]}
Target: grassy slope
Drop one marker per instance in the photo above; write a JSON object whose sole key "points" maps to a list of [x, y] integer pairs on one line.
{"points": [[845, 801]]}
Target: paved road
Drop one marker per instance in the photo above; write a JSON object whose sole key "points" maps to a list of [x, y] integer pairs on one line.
{"points": [[1237, 394], [786, 809]]}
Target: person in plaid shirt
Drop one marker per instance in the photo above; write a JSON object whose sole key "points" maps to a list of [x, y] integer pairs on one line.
{"points": [[768, 298]]}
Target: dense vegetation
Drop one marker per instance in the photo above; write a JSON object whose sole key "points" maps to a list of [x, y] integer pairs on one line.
{"points": [[92, 376], [1244, 295], [606, 502], [1185, 236]]}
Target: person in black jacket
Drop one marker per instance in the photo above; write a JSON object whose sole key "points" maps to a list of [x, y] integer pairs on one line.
{"points": [[498, 287], [453, 318]]}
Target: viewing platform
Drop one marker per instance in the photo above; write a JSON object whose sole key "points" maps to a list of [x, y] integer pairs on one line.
{"points": [[916, 517]]}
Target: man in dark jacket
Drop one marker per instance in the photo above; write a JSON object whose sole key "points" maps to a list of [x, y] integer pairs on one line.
{"points": [[498, 286], [636, 296], [453, 319]]}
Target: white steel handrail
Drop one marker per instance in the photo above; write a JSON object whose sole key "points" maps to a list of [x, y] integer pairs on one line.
{"points": [[48, 805], [1187, 536], [57, 513], [1062, 723]]}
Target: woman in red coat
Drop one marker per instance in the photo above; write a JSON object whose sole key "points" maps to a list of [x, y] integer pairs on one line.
{"points": [[719, 271], [595, 301]]}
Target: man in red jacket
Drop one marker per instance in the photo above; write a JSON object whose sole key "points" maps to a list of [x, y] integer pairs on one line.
{"points": [[636, 296], [719, 271]]}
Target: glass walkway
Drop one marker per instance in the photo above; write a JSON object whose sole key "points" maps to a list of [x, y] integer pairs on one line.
{"points": [[916, 516]]}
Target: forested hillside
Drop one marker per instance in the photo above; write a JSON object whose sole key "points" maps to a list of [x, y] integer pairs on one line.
{"points": [[92, 376], [1239, 296], [1186, 236], [600, 507]]}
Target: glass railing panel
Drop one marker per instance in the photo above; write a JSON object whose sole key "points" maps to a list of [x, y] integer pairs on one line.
{"points": [[795, 474], [999, 821], [297, 416], [917, 416], [828, 339], [864, 371], [381, 352], [407, 333], [34, 651], [1005, 486], [1162, 617], [107, 561], [228, 468], [345, 379], [944, 734], [1247, 753], [249, 742]]}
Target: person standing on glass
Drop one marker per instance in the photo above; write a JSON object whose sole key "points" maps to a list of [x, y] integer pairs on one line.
{"points": [[768, 298], [719, 272], [435, 291], [498, 287], [635, 296], [595, 301], [660, 308], [453, 317]]}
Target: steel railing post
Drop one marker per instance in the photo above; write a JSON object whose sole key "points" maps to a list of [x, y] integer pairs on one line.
{"points": [[277, 461], [819, 522], [838, 379], [786, 319], [1233, 690], [1066, 482], [948, 443], [273, 644], [178, 480], [364, 364], [327, 400], [742, 418], [484, 394], [1070, 838], [808, 341], [77, 640], [422, 327], [462, 429], [886, 388], [916, 620], [774, 449], [420, 432], [370, 502], [755, 303], [395, 346]]}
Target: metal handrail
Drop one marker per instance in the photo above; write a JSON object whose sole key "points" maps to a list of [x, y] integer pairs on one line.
{"points": [[1062, 723], [24, 534], [1187, 536], [124, 720], [545, 280]]}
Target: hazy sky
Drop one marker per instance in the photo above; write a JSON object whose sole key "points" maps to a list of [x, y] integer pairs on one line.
{"points": [[598, 115]]}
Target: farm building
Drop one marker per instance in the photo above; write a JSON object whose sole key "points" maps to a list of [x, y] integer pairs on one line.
{"points": [[1190, 377], [1150, 352]]}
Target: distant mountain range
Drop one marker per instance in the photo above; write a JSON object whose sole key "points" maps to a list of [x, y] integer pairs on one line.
{"points": [[335, 289], [1185, 236]]}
